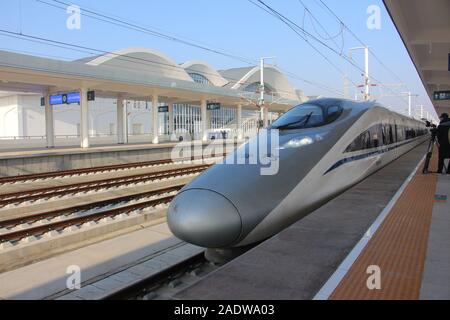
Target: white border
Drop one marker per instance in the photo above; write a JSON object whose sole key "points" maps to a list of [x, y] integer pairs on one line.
{"points": [[329, 287]]}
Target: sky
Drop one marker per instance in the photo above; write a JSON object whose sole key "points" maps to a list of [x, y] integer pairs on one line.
{"points": [[237, 27]]}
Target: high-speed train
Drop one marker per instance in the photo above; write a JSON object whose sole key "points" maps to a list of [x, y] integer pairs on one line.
{"points": [[325, 147]]}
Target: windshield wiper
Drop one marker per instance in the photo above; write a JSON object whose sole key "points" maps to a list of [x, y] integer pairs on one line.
{"points": [[305, 120]]}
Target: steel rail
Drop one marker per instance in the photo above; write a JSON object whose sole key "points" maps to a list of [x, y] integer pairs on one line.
{"points": [[100, 169], [11, 223], [61, 225], [35, 194]]}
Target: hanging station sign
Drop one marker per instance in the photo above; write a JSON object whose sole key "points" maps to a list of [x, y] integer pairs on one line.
{"points": [[163, 109], [70, 98], [213, 106], [91, 95], [441, 95]]}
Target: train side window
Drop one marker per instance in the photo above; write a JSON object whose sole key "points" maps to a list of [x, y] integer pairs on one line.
{"points": [[396, 132], [368, 140], [400, 133], [357, 144], [383, 132], [375, 137], [391, 135]]}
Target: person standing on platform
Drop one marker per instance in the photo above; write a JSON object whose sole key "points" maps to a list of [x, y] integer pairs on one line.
{"points": [[443, 141]]}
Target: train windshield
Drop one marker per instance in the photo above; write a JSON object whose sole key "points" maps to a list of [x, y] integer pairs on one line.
{"points": [[302, 116]]}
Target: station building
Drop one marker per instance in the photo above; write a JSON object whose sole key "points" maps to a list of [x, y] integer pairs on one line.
{"points": [[141, 95]]}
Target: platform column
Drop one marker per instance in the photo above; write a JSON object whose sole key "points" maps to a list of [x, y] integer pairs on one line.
{"points": [[171, 126], [155, 119], [121, 118], [239, 121], [205, 120], [49, 123], [84, 123], [266, 117]]}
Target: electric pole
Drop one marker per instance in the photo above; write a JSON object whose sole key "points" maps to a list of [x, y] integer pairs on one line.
{"points": [[410, 95], [366, 71], [264, 112]]}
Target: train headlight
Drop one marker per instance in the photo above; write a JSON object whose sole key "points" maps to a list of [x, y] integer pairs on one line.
{"points": [[298, 142]]}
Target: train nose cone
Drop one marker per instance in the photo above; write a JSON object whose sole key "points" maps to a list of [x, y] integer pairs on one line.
{"points": [[204, 218]]}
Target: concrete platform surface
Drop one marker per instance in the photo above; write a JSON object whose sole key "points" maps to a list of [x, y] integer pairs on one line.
{"points": [[64, 150], [32, 152], [19, 162], [49, 277], [297, 262]]}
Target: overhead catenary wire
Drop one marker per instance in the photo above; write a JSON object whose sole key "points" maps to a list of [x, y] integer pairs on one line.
{"points": [[330, 37], [352, 33], [300, 32], [94, 14], [292, 25], [136, 27], [359, 40], [131, 59]]}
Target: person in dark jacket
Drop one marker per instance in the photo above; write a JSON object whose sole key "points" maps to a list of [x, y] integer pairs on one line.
{"points": [[443, 141]]}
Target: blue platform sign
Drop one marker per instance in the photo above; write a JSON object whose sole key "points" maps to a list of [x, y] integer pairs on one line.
{"points": [[73, 97], [65, 98], [56, 99]]}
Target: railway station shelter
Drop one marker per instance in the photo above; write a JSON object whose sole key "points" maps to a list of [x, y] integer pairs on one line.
{"points": [[191, 97]]}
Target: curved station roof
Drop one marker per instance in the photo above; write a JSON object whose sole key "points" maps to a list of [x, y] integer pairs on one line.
{"points": [[142, 72]]}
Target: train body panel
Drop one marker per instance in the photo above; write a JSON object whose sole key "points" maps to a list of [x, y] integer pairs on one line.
{"points": [[321, 185], [337, 157]]}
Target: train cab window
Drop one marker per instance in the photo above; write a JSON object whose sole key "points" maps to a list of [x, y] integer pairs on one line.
{"points": [[302, 116], [307, 115], [333, 113]]}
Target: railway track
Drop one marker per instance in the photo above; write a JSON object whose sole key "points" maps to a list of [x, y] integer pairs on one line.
{"points": [[83, 187], [95, 170], [97, 205], [12, 235], [194, 267]]}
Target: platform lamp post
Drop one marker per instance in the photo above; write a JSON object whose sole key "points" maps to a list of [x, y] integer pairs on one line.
{"points": [[263, 116]]}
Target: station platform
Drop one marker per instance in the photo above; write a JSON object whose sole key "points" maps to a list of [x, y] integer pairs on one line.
{"points": [[38, 160], [385, 238], [47, 279]]}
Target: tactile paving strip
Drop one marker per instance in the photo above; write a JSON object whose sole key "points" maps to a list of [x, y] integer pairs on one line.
{"points": [[398, 248]]}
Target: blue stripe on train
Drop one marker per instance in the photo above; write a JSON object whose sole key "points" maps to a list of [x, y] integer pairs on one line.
{"points": [[367, 155]]}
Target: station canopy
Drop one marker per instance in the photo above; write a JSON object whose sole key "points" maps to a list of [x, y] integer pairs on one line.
{"points": [[140, 73], [424, 27]]}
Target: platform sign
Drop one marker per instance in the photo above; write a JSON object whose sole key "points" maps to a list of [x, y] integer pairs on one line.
{"points": [[73, 97], [91, 95], [441, 95], [163, 109], [56, 99], [65, 98], [213, 106]]}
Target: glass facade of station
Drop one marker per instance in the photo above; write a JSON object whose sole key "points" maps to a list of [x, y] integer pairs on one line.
{"points": [[199, 78]]}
